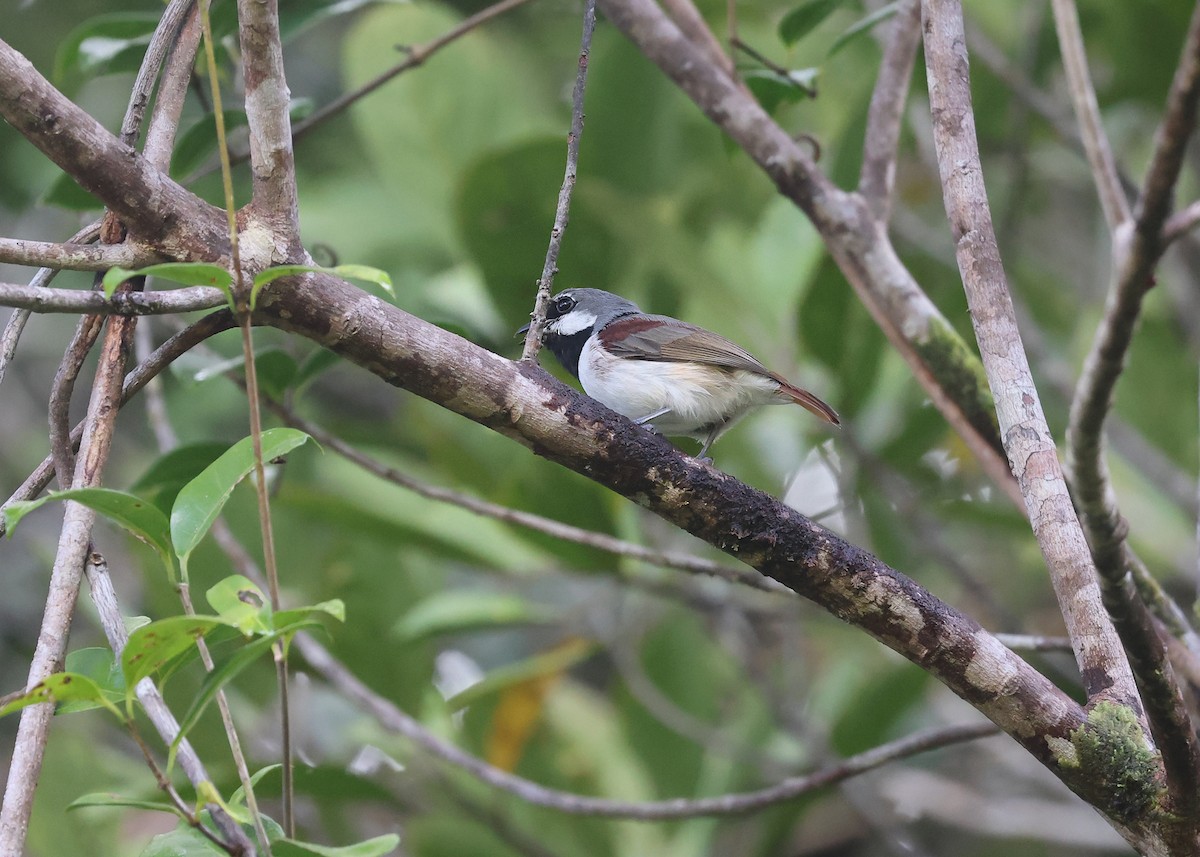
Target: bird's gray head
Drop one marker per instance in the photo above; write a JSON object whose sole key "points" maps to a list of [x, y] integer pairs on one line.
{"points": [[572, 317], [574, 311]]}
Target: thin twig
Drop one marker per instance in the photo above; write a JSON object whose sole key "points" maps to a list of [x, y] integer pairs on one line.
{"points": [[172, 90], [1028, 442], [1181, 223], [48, 300], [1035, 642], [181, 806], [166, 439], [164, 39], [275, 197], [76, 257], [11, 337], [393, 719], [556, 529], [881, 140], [533, 339], [44, 276], [87, 330], [1087, 113]]}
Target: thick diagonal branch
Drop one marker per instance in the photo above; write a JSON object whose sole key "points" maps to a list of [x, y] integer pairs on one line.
{"points": [[155, 208], [523, 402]]}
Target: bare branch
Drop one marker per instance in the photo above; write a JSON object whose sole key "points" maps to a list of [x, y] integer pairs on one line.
{"points": [[87, 330], [172, 90], [1181, 223], [165, 36], [65, 580], [882, 138], [272, 161], [1028, 441], [1137, 248], [394, 720], [154, 207], [533, 339], [46, 300], [11, 337], [76, 257], [692, 24], [1087, 112]]}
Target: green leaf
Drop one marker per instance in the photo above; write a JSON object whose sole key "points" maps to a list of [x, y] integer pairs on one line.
{"points": [[187, 273], [96, 663], [805, 18], [227, 670], [346, 272], [104, 44], [201, 500], [772, 90], [315, 364], [238, 798], [238, 601], [334, 607], [66, 193], [863, 25], [136, 515], [276, 369], [184, 841], [153, 646], [871, 714], [199, 141], [556, 660], [376, 847], [467, 610], [110, 799], [180, 465], [61, 687]]}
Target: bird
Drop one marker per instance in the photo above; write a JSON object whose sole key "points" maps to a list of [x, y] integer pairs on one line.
{"points": [[673, 377]]}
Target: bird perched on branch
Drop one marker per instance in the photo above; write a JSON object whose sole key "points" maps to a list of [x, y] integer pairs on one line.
{"points": [[659, 371]]}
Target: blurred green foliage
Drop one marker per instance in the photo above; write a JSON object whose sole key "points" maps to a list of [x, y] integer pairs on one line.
{"points": [[446, 179]]}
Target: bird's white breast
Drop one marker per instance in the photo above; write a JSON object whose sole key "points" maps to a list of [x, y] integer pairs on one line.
{"points": [[698, 396]]}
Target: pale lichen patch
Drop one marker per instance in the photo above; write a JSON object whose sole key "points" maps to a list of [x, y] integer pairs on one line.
{"points": [[895, 603], [992, 668]]}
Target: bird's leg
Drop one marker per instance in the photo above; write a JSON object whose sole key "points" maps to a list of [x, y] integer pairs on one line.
{"points": [[702, 456], [660, 412]]}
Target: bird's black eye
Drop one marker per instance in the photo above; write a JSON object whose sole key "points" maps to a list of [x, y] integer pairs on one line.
{"points": [[564, 304]]}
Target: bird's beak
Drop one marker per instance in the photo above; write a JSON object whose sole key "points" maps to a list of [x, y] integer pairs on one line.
{"points": [[524, 330]]}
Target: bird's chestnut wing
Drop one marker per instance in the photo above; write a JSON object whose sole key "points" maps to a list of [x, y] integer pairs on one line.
{"points": [[673, 341]]}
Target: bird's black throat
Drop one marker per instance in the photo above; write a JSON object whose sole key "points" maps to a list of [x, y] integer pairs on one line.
{"points": [[568, 348]]}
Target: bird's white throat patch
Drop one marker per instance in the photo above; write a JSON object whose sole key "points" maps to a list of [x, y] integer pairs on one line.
{"points": [[573, 322]]}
